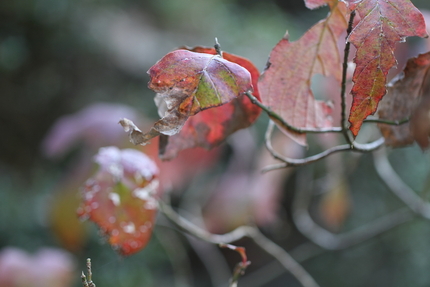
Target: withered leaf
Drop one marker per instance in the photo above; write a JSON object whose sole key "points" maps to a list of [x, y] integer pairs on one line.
{"points": [[408, 96]]}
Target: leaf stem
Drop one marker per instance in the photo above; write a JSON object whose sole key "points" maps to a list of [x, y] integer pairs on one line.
{"points": [[344, 123], [217, 47], [278, 119]]}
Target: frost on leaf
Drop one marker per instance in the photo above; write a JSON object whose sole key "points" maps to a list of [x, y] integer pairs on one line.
{"points": [[187, 83], [211, 127], [285, 85], [121, 198], [408, 96], [383, 23]]}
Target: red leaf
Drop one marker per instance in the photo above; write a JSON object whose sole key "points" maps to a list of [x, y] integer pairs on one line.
{"points": [[187, 83], [383, 23], [211, 127], [120, 198], [285, 85], [408, 97]]}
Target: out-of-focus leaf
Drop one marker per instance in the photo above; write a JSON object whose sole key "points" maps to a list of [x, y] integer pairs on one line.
{"points": [[382, 25], [335, 204], [285, 85], [68, 229], [48, 267], [211, 127], [312, 4], [93, 127], [120, 198], [408, 97], [187, 83]]}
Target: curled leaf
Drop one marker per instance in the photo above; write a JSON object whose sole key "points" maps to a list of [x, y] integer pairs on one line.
{"points": [[408, 96], [211, 127], [187, 83], [120, 198]]}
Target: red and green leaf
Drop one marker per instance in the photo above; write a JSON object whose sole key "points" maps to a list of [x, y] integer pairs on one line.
{"points": [[383, 23], [211, 127], [187, 83], [285, 85], [120, 198], [408, 96]]}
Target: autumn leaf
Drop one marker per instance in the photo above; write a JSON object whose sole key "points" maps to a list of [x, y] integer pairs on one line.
{"points": [[285, 85], [408, 96], [120, 198], [383, 24], [187, 83], [211, 127]]}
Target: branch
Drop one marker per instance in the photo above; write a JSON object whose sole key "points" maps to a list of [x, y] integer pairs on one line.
{"points": [[331, 241], [387, 122], [292, 162], [244, 231], [274, 116], [177, 256], [398, 186], [344, 123]]}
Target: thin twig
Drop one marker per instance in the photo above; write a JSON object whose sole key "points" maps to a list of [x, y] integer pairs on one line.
{"points": [[244, 231], [282, 122], [398, 186], [84, 280], [198, 232], [387, 122], [177, 256], [293, 162], [88, 282], [331, 241], [344, 123], [284, 258]]}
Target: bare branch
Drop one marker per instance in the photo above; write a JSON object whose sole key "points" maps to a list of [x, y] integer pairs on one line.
{"points": [[244, 231], [177, 256], [284, 258], [292, 162], [398, 186], [331, 241], [274, 116], [198, 232], [387, 122]]}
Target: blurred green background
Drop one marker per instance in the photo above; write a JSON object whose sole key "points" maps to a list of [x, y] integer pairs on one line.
{"points": [[60, 56]]}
